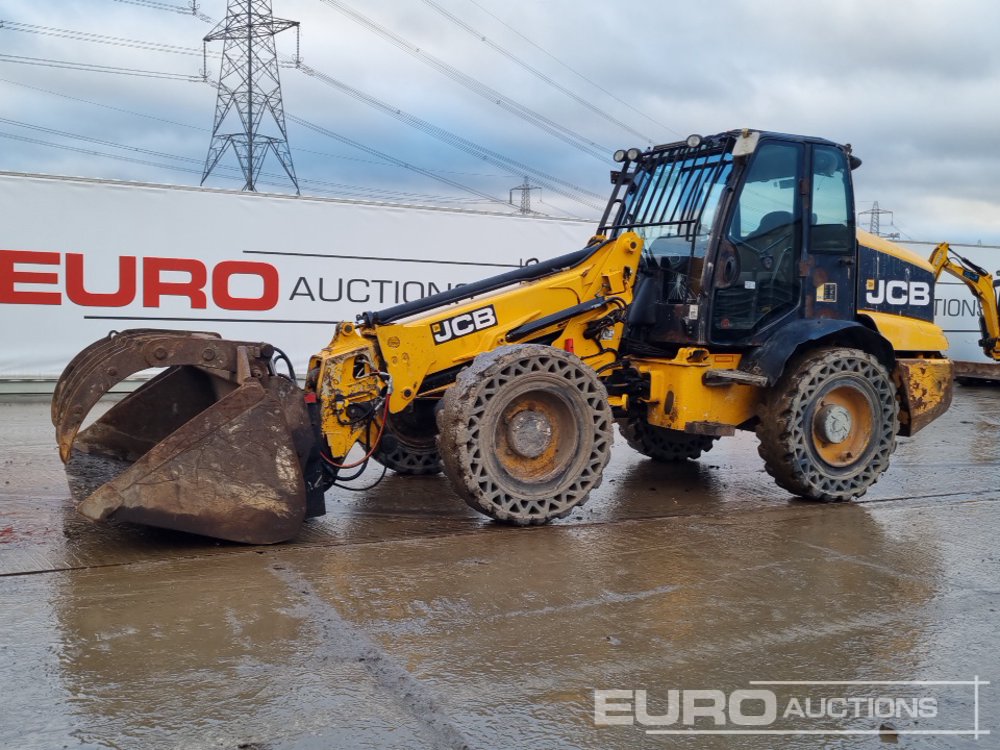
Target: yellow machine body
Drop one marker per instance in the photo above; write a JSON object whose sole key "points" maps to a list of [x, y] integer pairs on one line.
{"points": [[345, 372], [680, 398], [726, 288]]}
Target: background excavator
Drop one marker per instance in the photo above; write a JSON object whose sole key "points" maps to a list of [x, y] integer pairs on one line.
{"points": [[727, 288]]}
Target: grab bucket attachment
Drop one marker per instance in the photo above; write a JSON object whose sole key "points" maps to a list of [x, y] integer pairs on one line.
{"points": [[218, 443]]}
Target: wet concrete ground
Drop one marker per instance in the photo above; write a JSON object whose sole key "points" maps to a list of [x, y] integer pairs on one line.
{"points": [[404, 620]]}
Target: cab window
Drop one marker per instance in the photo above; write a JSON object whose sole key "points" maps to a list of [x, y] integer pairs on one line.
{"points": [[765, 232], [830, 229]]}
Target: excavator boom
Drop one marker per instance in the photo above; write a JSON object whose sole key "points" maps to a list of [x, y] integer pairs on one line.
{"points": [[982, 285]]}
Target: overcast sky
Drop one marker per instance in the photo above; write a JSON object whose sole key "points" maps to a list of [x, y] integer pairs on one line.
{"points": [[913, 86]]}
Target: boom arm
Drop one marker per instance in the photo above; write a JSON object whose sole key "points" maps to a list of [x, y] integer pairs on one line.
{"points": [[377, 368], [982, 285]]}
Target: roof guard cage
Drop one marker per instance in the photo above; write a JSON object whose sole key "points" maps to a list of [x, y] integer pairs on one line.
{"points": [[666, 185]]}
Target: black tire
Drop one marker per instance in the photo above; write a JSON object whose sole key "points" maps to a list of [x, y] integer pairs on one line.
{"points": [[828, 428], [663, 444], [411, 447], [525, 433]]}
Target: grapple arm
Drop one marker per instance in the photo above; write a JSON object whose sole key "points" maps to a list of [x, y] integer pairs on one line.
{"points": [[218, 443]]}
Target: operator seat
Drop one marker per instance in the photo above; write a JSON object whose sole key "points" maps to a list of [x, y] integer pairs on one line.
{"points": [[770, 222]]}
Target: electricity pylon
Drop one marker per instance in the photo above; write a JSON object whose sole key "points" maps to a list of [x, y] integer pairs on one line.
{"points": [[525, 188], [249, 89]]}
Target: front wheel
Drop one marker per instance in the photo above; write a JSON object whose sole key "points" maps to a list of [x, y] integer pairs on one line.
{"points": [[409, 446], [828, 428], [525, 433]]}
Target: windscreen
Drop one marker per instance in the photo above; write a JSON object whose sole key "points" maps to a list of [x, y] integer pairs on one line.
{"points": [[672, 199]]}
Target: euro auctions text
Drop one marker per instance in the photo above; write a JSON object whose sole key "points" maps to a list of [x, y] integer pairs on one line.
{"points": [[55, 278], [861, 707]]}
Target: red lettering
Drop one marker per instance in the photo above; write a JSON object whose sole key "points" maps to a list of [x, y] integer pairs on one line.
{"points": [[80, 296], [9, 276], [153, 287], [161, 277], [223, 272]]}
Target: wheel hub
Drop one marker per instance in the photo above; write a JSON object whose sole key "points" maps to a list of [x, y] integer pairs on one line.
{"points": [[529, 433], [834, 423]]}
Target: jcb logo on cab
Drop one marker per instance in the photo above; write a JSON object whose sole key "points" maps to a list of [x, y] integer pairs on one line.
{"points": [[464, 324], [897, 292]]}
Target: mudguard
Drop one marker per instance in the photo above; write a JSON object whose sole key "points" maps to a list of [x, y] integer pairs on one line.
{"points": [[770, 358]]}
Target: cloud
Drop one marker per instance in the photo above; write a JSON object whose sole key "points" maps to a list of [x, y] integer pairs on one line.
{"points": [[910, 86]]}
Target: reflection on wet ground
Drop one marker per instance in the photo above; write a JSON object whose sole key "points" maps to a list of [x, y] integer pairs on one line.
{"points": [[403, 619]]}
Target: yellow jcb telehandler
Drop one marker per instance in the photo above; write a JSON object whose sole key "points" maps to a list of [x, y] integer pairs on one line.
{"points": [[727, 288]]}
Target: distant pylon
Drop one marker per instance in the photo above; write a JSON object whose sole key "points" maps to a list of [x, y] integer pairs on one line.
{"points": [[249, 84], [525, 188], [874, 213]]}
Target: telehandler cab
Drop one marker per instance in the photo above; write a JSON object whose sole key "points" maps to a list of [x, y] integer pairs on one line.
{"points": [[727, 288]]}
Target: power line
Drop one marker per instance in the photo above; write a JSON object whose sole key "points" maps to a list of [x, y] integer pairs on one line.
{"points": [[93, 68], [86, 36], [382, 163], [573, 70], [954, 244], [567, 189], [899, 231], [97, 141], [191, 9], [333, 188], [161, 154], [116, 157], [566, 135], [397, 162], [105, 106], [535, 71], [562, 211], [91, 152]]}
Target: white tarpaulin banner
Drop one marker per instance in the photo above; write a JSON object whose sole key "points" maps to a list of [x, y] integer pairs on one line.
{"points": [[79, 258]]}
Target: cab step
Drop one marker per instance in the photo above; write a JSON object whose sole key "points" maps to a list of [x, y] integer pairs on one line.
{"points": [[720, 378]]}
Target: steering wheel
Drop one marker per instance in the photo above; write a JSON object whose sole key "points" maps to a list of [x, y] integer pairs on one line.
{"points": [[763, 251]]}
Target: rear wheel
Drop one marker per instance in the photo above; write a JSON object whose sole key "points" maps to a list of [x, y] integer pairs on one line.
{"points": [[662, 444], [409, 445], [525, 433], [828, 428]]}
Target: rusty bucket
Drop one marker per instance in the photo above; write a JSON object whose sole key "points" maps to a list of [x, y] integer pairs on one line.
{"points": [[218, 443]]}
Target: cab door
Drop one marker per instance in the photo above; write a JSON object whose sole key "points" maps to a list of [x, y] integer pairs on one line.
{"points": [[789, 247], [829, 272], [756, 283]]}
